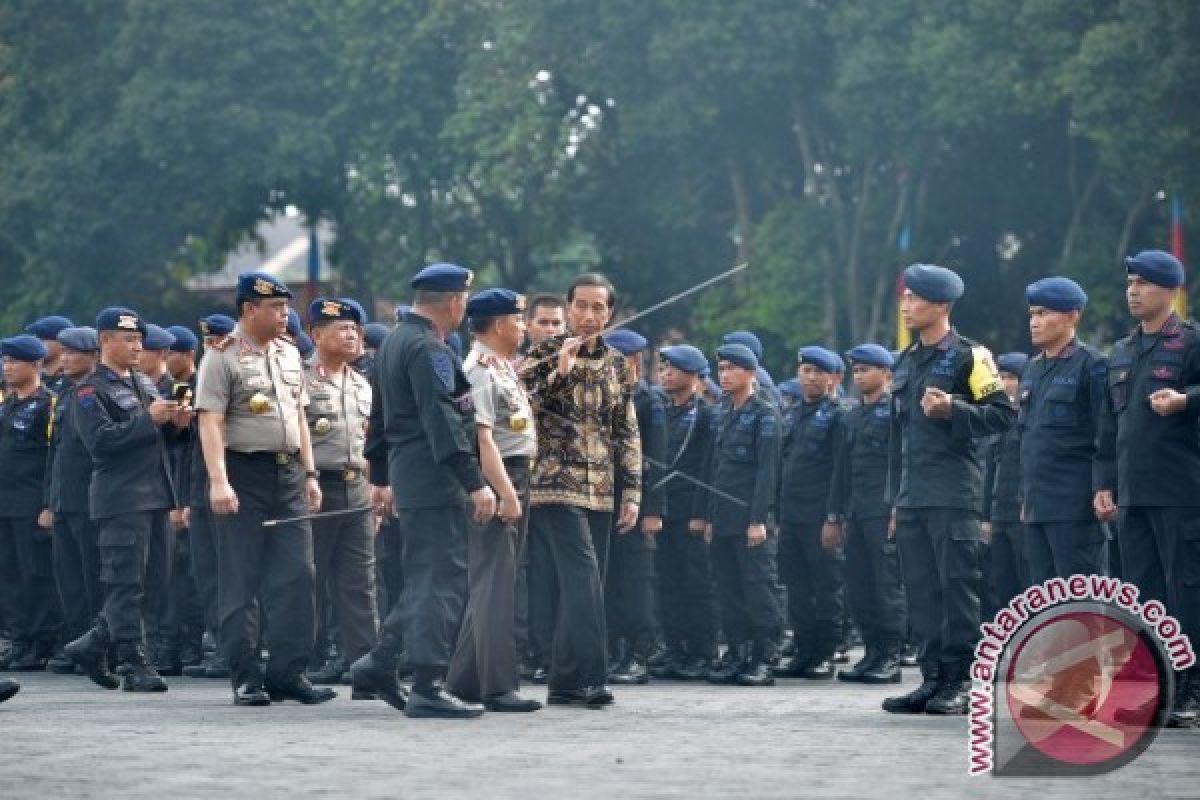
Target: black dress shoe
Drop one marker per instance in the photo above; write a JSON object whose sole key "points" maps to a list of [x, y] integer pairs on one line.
{"points": [[330, 673], [587, 697], [31, 659], [251, 693], [434, 702], [299, 689], [374, 677], [596, 696], [8, 689], [511, 702], [755, 673], [631, 671], [60, 664], [953, 699]]}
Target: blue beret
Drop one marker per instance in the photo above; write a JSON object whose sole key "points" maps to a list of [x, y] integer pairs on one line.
{"points": [[739, 355], [495, 303], [933, 283], [455, 343], [363, 316], [374, 333], [685, 357], [872, 355], [401, 310], [260, 286], [185, 340], [1157, 266], [48, 328], [116, 318], [1056, 294], [81, 340], [324, 310], [763, 377], [745, 338], [305, 344], [1012, 362], [294, 326], [23, 347], [217, 325], [820, 358], [443, 278], [791, 388], [626, 341], [157, 338]]}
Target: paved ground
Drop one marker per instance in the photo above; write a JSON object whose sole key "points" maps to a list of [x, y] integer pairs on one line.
{"points": [[62, 737]]}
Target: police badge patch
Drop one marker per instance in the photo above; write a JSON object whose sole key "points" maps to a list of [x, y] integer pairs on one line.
{"points": [[443, 367]]}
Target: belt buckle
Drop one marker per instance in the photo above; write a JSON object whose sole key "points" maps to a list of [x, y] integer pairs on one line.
{"points": [[282, 459], [350, 475]]}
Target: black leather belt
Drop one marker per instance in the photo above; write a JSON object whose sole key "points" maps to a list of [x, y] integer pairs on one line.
{"points": [[282, 459], [349, 474]]}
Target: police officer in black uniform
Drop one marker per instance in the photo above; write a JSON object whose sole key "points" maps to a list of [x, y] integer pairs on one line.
{"points": [[47, 329], [1006, 565], [946, 394], [1062, 400], [250, 397], [69, 479], [629, 581], [118, 414], [810, 552], [1148, 460], [423, 446], [745, 484], [874, 588], [687, 603], [26, 547]]}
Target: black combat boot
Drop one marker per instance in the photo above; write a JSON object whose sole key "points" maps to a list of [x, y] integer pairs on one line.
{"points": [[1185, 711], [33, 658], [330, 672], [953, 697], [697, 663], [871, 654], [914, 702], [375, 675], [90, 653], [139, 676], [632, 670], [430, 700], [725, 670], [756, 671], [8, 689], [667, 666], [886, 668]]}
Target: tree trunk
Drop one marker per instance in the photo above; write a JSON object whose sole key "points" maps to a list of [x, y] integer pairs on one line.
{"points": [[1132, 215], [742, 213]]}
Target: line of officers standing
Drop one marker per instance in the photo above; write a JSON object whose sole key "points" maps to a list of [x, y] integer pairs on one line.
{"points": [[556, 516]]}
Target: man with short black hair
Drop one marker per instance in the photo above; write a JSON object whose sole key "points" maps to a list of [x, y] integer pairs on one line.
{"points": [[545, 317]]}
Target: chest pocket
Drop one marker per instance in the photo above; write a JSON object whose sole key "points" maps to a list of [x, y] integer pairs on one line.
{"points": [[1059, 407], [291, 378], [27, 432], [322, 403], [737, 440], [1118, 383], [1165, 372], [816, 432], [877, 429]]}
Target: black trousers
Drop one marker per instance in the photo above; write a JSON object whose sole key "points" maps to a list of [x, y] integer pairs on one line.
{"points": [[345, 562], [135, 568], [874, 584], [430, 608], [941, 557], [1063, 549], [629, 590], [576, 540], [687, 602], [745, 580], [272, 565], [1009, 566], [389, 560], [541, 591], [181, 620], [485, 656], [815, 588], [1160, 553], [203, 563], [28, 596], [77, 572]]}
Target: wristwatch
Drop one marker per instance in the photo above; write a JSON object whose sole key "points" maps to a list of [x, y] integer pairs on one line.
{"points": [[312, 473]]}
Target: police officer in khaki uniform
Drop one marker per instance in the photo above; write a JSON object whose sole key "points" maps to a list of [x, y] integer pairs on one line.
{"points": [[339, 407], [484, 665], [250, 397]]}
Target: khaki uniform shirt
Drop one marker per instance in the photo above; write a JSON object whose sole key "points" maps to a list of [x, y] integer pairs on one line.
{"points": [[339, 405], [501, 403]]}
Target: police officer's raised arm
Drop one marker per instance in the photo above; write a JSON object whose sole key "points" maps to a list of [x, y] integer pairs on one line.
{"points": [[101, 434]]}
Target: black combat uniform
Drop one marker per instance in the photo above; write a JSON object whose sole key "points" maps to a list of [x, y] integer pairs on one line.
{"points": [[874, 588], [29, 594], [936, 484], [131, 493], [629, 581], [422, 443], [76, 556], [813, 435], [745, 480], [687, 602], [1152, 464], [1061, 402], [1007, 564]]}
